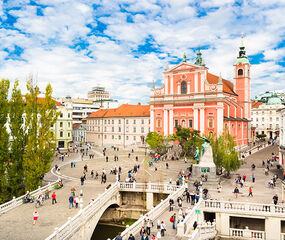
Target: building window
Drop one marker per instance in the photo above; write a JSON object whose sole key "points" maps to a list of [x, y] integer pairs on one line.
{"points": [[119, 129], [108, 121], [112, 129], [135, 129], [61, 134], [68, 115], [190, 123], [262, 113], [256, 126], [158, 123], [119, 137], [105, 129], [134, 138], [98, 135], [61, 124], [149, 121], [232, 125], [112, 121], [277, 119], [127, 137], [119, 121], [142, 130], [142, 121], [112, 136], [105, 136], [134, 121], [270, 119], [68, 134], [262, 119], [240, 72], [127, 121], [98, 129], [68, 124], [176, 123], [105, 121], [239, 126], [270, 125], [127, 129], [183, 123], [183, 87], [211, 123], [277, 125], [61, 115]]}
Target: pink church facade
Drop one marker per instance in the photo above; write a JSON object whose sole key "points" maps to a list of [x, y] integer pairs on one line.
{"points": [[196, 99]]}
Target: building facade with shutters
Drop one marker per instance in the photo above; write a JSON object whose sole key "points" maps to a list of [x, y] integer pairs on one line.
{"points": [[124, 126], [194, 98]]}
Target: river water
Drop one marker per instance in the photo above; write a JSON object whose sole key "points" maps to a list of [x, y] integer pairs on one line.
{"points": [[103, 232]]}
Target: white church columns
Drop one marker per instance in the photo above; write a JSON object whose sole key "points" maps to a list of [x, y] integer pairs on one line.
{"points": [[220, 118], [171, 123], [196, 116], [202, 120], [165, 122]]}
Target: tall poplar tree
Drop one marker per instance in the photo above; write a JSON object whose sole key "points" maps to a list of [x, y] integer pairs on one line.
{"points": [[4, 138], [18, 137], [40, 115]]}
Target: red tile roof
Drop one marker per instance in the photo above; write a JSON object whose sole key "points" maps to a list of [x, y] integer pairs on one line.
{"points": [[41, 99], [255, 104], [228, 86], [125, 110]]}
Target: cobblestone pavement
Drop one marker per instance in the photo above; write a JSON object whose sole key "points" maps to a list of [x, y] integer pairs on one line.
{"points": [[17, 223]]}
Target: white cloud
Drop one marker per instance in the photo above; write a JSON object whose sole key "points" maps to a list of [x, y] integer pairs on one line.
{"points": [[111, 58]]}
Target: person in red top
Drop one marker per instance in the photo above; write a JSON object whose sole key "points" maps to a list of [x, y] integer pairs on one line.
{"points": [[244, 177], [53, 198], [250, 191]]}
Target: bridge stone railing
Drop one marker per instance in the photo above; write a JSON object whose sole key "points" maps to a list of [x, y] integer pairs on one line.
{"points": [[247, 233], [203, 231], [243, 207], [75, 223], [149, 187], [15, 202], [152, 214]]}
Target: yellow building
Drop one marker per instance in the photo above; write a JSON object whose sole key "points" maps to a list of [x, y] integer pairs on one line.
{"points": [[63, 126]]}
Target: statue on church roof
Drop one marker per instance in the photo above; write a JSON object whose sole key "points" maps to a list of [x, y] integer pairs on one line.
{"points": [[184, 57], [199, 60]]}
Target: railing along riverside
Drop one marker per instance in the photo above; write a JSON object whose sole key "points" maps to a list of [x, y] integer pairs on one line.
{"points": [[15, 202], [75, 223], [245, 207], [247, 233], [152, 214]]}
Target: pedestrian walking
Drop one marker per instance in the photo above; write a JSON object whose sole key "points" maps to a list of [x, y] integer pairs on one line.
{"points": [[163, 228], [148, 226], [53, 196], [131, 237], [36, 216], [118, 237], [275, 199], [250, 192], [171, 204], [73, 191], [71, 202], [236, 191], [253, 177], [82, 180], [47, 194], [76, 201], [173, 220]]}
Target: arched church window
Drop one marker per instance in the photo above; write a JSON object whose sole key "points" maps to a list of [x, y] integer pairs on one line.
{"points": [[240, 72], [183, 87], [183, 123]]}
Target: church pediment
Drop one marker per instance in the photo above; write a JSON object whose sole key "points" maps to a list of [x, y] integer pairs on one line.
{"points": [[184, 67]]}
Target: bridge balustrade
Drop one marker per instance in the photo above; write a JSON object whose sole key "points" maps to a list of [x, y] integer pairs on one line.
{"points": [[246, 207], [247, 233], [75, 223], [152, 214], [15, 202]]}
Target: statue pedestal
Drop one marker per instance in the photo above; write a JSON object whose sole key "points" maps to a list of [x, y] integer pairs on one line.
{"points": [[206, 166]]}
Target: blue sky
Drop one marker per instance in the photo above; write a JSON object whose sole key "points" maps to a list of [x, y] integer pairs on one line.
{"points": [[125, 44]]}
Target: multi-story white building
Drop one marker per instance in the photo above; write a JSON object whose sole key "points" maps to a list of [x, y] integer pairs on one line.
{"points": [[125, 125], [79, 132], [265, 117]]}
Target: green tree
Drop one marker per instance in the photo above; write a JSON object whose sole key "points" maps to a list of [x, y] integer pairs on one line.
{"points": [[40, 115], [189, 140], [157, 142], [4, 138], [224, 152], [18, 142]]}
